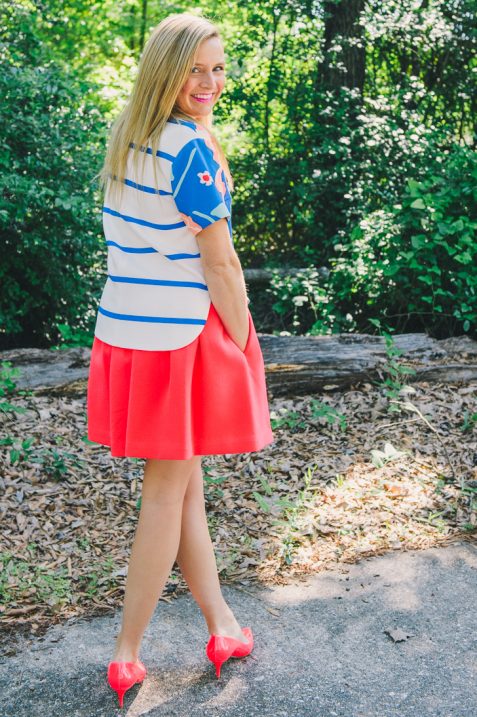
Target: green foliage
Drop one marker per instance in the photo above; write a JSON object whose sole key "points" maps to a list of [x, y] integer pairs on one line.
{"points": [[411, 265], [7, 387], [18, 575], [102, 575], [49, 219], [349, 152], [394, 372], [289, 419], [319, 409], [71, 337], [469, 422], [292, 521], [7, 375], [56, 463], [21, 452], [299, 298]]}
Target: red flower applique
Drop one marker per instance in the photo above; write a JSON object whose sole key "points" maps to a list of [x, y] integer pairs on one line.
{"points": [[205, 178]]}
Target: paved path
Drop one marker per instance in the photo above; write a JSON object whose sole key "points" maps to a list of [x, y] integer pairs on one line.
{"points": [[325, 652]]}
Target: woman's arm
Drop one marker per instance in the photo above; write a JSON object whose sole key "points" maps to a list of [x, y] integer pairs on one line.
{"points": [[224, 277]]}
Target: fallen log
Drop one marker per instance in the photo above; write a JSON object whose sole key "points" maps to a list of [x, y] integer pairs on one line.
{"points": [[298, 365], [294, 365]]}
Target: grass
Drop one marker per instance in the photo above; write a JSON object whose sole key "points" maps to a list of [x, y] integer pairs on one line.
{"points": [[22, 575]]}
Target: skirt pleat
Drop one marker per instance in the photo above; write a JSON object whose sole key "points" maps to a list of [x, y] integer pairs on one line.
{"points": [[209, 397]]}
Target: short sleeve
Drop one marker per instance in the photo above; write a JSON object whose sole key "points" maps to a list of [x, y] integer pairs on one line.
{"points": [[198, 186]]}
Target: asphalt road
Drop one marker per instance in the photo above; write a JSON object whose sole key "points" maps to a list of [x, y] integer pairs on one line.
{"points": [[324, 647]]}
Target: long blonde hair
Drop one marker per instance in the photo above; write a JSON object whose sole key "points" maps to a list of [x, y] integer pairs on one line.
{"points": [[164, 67]]}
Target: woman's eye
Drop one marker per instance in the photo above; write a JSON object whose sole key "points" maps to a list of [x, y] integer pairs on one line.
{"points": [[220, 67]]}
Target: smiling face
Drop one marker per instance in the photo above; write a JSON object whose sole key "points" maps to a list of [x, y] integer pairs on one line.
{"points": [[206, 80]]}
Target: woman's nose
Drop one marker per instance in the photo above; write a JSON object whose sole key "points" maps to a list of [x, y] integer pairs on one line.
{"points": [[208, 80]]}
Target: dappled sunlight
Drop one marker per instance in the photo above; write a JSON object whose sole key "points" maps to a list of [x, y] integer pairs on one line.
{"points": [[379, 480], [402, 591], [160, 687], [230, 694], [368, 511], [343, 480]]}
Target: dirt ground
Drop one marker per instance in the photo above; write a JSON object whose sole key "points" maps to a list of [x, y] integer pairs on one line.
{"points": [[351, 474]]}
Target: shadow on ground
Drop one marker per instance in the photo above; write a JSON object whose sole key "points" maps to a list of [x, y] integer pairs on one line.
{"points": [[324, 647]]}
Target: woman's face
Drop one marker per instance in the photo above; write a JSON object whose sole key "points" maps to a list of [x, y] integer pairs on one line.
{"points": [[206, 80]]}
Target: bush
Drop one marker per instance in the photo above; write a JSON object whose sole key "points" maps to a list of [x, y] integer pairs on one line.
{"points": [[411, 265], [49, 216]]}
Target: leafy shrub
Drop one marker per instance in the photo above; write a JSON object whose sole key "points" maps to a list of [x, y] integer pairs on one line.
{"points": [[407, 266], [299, 298], [49, 218], [411, 265]]}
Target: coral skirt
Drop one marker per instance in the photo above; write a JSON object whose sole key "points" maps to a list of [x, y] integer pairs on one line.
{"points": [[208, 397]]}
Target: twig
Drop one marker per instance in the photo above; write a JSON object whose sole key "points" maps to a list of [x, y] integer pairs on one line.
{"points": [[410, 406], [399, 423], [20, 611]]}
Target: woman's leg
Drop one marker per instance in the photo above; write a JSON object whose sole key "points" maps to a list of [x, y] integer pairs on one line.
{"points": [[154, 548], [196, 560]]}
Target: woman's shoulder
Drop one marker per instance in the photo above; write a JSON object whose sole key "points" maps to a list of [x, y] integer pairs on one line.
{"points": [[179, 132]]}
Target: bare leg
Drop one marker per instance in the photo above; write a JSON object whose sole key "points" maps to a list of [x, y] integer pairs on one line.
{"points": [[196, 560], [154, 548]]}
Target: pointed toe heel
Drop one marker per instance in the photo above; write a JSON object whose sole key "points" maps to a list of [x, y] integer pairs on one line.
{"points": [[123, 675], [219, 648]]}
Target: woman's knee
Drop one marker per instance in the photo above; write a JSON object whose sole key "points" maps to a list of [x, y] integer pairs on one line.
{"points": [[195, 487], [167, 479]]}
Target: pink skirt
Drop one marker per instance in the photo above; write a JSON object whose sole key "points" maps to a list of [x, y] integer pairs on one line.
{"points": [[209, 397]]}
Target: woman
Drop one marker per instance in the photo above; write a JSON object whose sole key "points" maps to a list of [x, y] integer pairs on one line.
{"points": [[176, 368]]}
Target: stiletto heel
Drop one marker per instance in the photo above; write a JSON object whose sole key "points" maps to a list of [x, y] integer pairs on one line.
{"points": [[121, 694], [219, 648], [123, 675]]}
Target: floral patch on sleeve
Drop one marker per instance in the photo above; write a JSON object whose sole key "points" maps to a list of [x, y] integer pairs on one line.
{"points": [[198, 185]]}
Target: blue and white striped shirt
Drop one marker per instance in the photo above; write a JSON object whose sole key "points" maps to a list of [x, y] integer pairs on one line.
{"points": [[155, 296]]}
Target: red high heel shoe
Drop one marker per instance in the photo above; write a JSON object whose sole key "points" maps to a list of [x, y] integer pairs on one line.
{"points": [[123, 675], [220, 648]]}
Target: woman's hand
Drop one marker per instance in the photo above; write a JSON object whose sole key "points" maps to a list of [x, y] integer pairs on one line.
{"points": [[239, 339], [225, 281]]}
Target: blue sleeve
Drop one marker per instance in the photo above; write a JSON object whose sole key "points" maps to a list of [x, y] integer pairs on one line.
{"points": [[198, 185]]}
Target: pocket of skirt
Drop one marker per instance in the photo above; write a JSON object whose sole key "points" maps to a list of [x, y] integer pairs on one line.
{"points": [[248, 338]]}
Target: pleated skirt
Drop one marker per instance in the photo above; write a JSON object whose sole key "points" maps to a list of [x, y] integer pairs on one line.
{"points": [[208, 397]]}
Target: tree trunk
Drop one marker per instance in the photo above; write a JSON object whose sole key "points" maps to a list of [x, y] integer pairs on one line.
{"points": [[142, 34], [345, 67]]}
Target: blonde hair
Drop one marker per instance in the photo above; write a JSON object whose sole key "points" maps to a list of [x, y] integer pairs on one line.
{"points": [[164, 67]]}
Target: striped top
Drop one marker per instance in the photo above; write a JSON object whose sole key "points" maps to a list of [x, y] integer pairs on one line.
{"points": [[155, 296]]}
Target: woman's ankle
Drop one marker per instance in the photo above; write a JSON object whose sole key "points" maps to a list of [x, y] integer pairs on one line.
{"points": [[125, 656], [221, 620], [124, 652]]}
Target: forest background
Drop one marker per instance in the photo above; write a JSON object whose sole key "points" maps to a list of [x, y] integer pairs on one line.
{"points": [[350, 130]]}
